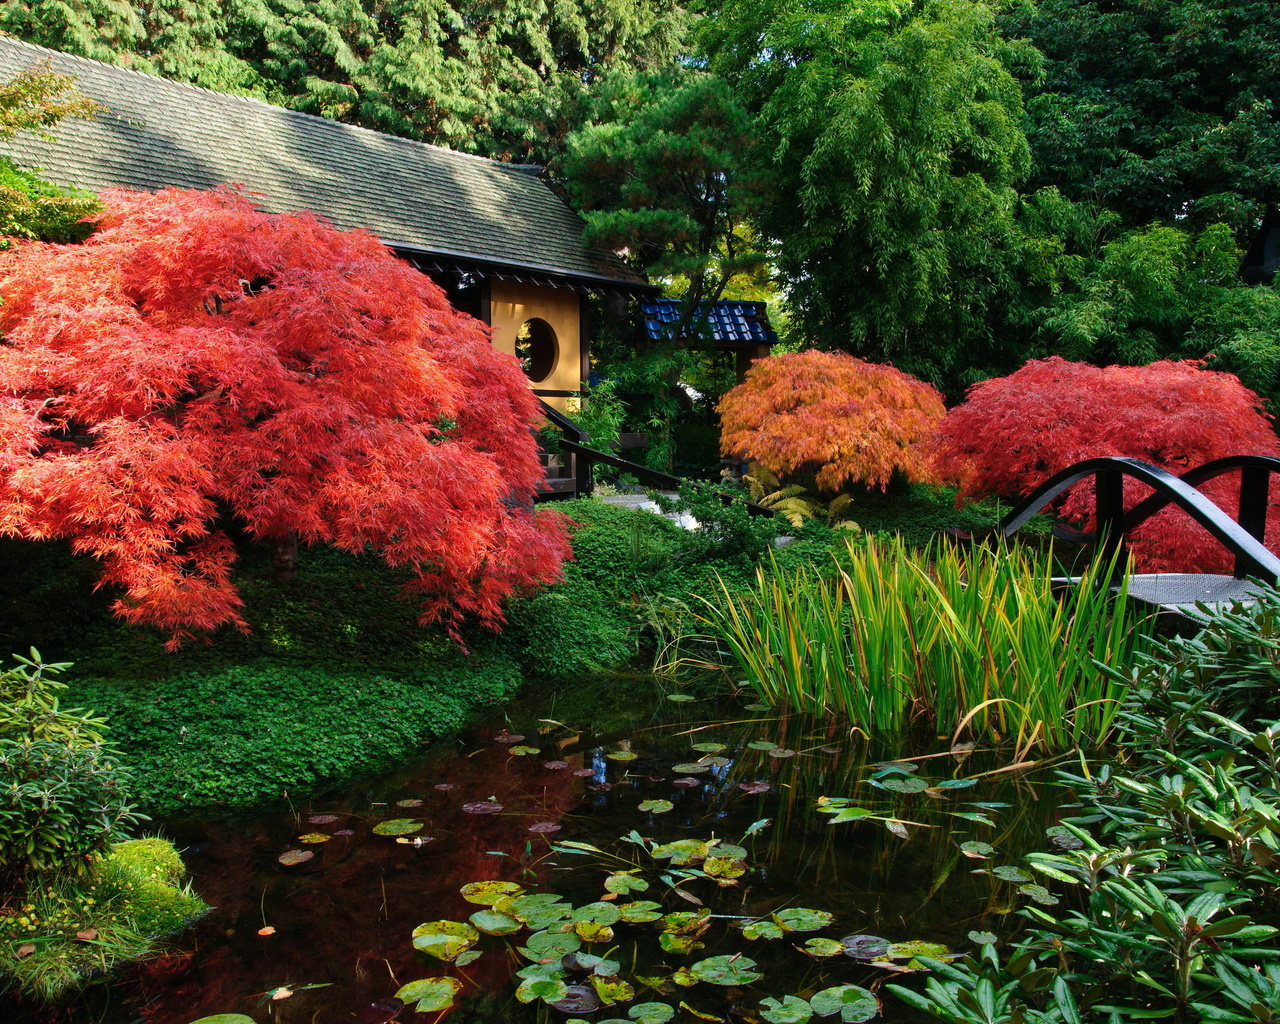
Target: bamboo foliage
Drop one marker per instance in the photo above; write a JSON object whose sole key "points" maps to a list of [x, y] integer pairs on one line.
{"points": [[966, 641]]}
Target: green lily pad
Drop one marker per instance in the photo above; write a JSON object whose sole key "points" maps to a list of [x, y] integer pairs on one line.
{"points": [[537, 910], [732, 850], [651, 1013], [492, 923], [612, 990], [684, 977], [680, 698], [1010, 873], [471, 955], [640, 911], [781, 753], [908, 784], [691, 767], [550, 946], [523, 751], [763, 745], [977, 850], [791, 1010], [724, 867], [822, 947], [708, 748], [716, 761], [623, 882], [1039, 893], [853, 1002], [984, 938], [549, 990], [762, 930], [599, 913], [621, 755], [397, 827], [656, 806], [682, 851], [430, 994], [801, 919], [489, 892], [672, 942], [686, 921], [726, 970], [955, 783], [444, 940], [757, 707], [314, 837], [914, 948]]}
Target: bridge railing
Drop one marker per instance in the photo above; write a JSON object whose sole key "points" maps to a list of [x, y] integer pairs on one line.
{"points": [[1244, 539]]}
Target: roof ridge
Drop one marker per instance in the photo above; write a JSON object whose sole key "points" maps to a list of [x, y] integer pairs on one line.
{"points": [[506, 167]]}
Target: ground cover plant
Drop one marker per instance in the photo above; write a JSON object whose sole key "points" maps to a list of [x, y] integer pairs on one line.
{"points": [[196, 359], [1013, 433], [959, 639]]}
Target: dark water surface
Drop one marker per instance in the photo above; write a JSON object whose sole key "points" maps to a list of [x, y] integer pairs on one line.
{"points": [[343, 919]]}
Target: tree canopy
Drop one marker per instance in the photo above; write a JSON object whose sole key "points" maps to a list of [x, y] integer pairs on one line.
{"points": [[197, 363]]}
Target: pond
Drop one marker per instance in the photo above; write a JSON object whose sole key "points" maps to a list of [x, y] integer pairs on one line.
{"points": [[317, 901]]}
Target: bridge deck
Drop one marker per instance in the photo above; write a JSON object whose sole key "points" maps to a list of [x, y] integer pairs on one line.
{"points": [[1178, 593]]}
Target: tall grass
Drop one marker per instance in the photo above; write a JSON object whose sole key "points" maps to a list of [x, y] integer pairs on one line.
{"points": [[969, 641]]}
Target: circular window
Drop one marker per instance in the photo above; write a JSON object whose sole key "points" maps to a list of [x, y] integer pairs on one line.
{"points": [[536, 349]]}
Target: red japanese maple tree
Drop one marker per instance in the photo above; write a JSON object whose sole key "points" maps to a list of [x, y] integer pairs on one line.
{"points": [[1013, 433], [834, 415], [196, 357]]}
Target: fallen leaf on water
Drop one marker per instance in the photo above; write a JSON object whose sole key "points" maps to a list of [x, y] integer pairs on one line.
{"points": [[283, 992], [267, 930]]}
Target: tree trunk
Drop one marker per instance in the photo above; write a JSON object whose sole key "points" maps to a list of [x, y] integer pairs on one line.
{"points": [[284, 558]]}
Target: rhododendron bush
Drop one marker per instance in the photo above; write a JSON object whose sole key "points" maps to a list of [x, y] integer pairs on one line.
{"points": [[1013, 433], [196, 358], [845, 420]]}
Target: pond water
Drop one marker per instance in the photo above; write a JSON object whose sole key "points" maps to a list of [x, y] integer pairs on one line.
{"points": [[335, 930]]}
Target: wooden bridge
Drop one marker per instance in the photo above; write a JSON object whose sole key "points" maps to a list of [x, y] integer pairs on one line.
{"points": [[1242, 535]]}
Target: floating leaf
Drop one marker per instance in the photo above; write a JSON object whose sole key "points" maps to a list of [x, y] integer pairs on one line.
{"points": [[412, 801], [651, 1013], [291, 857], [955, 783], [724, 867], [582, 773], [853, 1002], [322, 819], [1039, 893], [684, 977], [681, 945], [865, 947], [221, 1018], [266, 930], [549, 990], [680, 698], [1063, 838], [397, 827], [754, 787], [640, 911], [781, 752], [430, 994], [622, 755], [624, 882], [977, 850], [682, 851], [612, 990], [762, 930], [691, 768], [708, 748], [538, 910], [544, 828], [523, 751], [800, 919], [832, 750], [555, 766], [822, 947], [508, 737], [489, 892], [984, 938], [656, 806], [792, 1010], [910, 784], [314, 837], [1010, 873], [444, 787], [728, 850], [726, 970], [462, 959], [914, 948], [898, 828], [599, 912], [482, 807], [716, 761], [686, 783], [763, 745], [344, 832], [493, 923], [444, 940], [548, 946], [580, 999], [896, 766]]}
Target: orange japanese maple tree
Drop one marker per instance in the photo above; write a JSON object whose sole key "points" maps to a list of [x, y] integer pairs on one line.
{"points": [[197, 358], [833, 415], [1013, 433]]}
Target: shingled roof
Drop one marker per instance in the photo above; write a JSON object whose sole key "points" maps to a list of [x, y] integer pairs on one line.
{"points": [[419, 199]]}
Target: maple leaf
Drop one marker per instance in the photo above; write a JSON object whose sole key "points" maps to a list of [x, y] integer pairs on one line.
{"points": [[195, 354], [1013, 433], [845, 419]]}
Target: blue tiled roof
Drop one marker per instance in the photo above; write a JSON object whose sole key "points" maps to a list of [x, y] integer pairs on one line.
{"points": [[730, 322]]}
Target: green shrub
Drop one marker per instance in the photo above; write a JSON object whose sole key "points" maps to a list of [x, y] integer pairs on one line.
{"points": [[29, 707]]}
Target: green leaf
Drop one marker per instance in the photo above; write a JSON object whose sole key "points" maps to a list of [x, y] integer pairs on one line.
{"points": [[651, 1013], [493, 923], [490, 892], [726, 970], [656, 806], [640, 911], [708, 748], [444, 940], [762, 930], [549, 990], [624, 882], [800, 919], [397, 827], [823, 947], [852, 1002], [548, 945], [791, 1010], [430, 994]]}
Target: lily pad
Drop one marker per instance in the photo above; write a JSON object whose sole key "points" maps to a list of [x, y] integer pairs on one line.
{"points": [[622, 755], [489, 892], [684, 977], [1039, 893], [716, 761], [321, 819], [397, 827], [444, 940], [762, 930], [656, 806], [909, 784], [555, 766], [462, 959], [691, 768], [551, 946], [681, 945], [599, 912], [984, 938], [291, 857], [314, 837], [493, 923], [651, 1013], [791, 1010], [549, 990], [482, 807], [755, 787], [1010, 873], [623, 883], [544, 828], [640, 911], [763, 745], [411, 801], [916, 947], [225, 1018], [686, 783], [708, 748], [612, 990], [523, 751], [682, 851], [719, 849], [430, 994], [537, 910], [680, 698], [444, 787], [726, 970], [781, 753], [725, 868], [581, 999], [853, 1002], [1063, 838], [583, 773], [977, 850], [508, 737], [865, 947], [801, 919], [822, 947]]}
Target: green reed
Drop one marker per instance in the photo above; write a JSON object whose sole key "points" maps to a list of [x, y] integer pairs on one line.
{"points": [[969, 640]]}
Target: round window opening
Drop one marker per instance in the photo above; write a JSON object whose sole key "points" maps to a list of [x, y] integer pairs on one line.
{"points": [[536, 349]]}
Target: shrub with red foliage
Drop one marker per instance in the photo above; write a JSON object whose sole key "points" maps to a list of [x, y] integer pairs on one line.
{"points": [[848, 420], [196, 357], [1013, 433]]}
